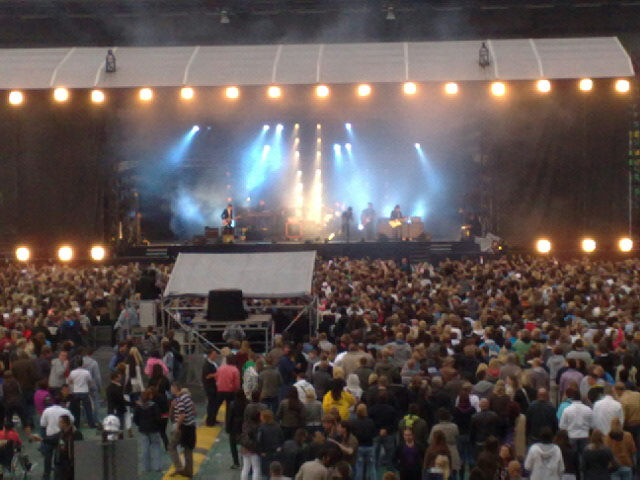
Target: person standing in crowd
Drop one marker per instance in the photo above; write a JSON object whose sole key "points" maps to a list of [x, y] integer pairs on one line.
{"points": [[293, 453], [50, 423], [597, 459], [184, 433], [91, 365], [541, 414], [146, 416], [209, 370], [26, 374], [339, 399], [234, 423], [290, 414], [577, 420], [80, 383], [544, 460], [409, 456], [269, 383], [270, 439], [59, 371], [451, 433], [161, 389], [605, 410], [64, 457], [316, 469], [227, 384], [623, 448], [116, 403], [570, 457], [249, 442], [364, 429]]}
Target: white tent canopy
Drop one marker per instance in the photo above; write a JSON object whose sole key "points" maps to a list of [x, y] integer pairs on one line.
{"points": [[258, 275]]}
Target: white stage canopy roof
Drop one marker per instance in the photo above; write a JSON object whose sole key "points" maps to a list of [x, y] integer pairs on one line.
{"points": [[522, 59], [258, 275]]}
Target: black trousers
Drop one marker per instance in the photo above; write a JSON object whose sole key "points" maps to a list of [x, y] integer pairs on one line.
{"points": [[233, 445], [212, 414]]}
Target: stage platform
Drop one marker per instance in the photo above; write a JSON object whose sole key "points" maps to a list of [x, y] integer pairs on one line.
{"points": [[415, 251]]}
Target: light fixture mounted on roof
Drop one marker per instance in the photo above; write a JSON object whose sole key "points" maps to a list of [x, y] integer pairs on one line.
{"points": [[391, 13], [110, 62], [484, 60], [224, 17]]}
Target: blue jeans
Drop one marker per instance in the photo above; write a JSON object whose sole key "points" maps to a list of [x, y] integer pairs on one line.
{"points": [[366, 459], [151, 452], [623, 473], [95, 399], [82, 398], [387, 442], [466, 452]]}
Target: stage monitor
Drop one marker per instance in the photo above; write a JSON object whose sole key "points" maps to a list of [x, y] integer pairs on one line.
{"points": [[225, 305]]}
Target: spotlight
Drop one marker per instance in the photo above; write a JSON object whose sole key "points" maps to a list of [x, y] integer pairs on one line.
{"points": [[65, 253], [146, 94], [391, 13], [625, 244], [274, 92], [61, 94], [195, 129], [322, 91], [232, 92], [347, 126], [588, 245], [187, 93], [337, 148], [265, 128], [110, 62], [417, 145], [586, 84], [331, 236], [544, 86], [279, 127], [296, 126], [318, 127], [347, 147], [97, 96], [98, 253], [451, 88], [224, 17], [16, 97], [410, 88], [364, 90], [623, 86], [543, 245], [23, 254], [498, 89]]}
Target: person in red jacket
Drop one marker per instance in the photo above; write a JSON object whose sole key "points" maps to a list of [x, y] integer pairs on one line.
{"points": [[228, 382]]}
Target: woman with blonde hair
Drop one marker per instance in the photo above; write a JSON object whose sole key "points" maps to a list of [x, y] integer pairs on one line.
{"points": [[623, 448]]}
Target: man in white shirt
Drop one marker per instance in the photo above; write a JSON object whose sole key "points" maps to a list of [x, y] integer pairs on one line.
{"points": [[577, 420], [49, 421], [302, 385], [80, 382], [605, 410], [94, 392]]}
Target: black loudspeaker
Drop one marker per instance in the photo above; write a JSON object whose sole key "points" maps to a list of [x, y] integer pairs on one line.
{"points": [[225, 305]]}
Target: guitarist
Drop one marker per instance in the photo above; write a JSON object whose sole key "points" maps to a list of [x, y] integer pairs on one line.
{"points": [[367, 219], [227, 220], [396, 214]]}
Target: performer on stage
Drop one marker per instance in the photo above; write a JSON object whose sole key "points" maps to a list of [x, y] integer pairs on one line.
{"points": [[227, 220], [367, 218], [396, 213], [347, 220]]}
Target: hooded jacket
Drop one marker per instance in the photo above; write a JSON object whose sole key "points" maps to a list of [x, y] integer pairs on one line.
{"points": [[544, 461]]}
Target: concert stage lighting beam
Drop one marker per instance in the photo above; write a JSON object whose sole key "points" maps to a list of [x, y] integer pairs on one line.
{"points": [[625, 244], [98, 253], [232, 92], [187, 93], [61, 94], [543, 86], [322, 91], [16, 97], [498, 89], [623, 86], [586, 85], [410, 88], [274, 92], [23, 254], [65, 253], [588, 245], [364, 90], [543, 245], [146, 94], [451, 88], [97, 96]]}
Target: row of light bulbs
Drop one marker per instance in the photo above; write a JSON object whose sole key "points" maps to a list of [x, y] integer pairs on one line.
{"points": [[66, 253], [498, 89], [588, 245]]}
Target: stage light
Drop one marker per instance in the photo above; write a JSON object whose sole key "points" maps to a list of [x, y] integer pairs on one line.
{"points": [[265, 128], [543, 245], [498, 89], [97, 96], [65, 253], [347, 147], [347, 126], [232, 92], [623, 86], [98, 253], [23, 254], [625, 244], [296, 141], [586, 84], [364, 90], [61, 94], [451, 88], [16, 97], [195, 129], [318, 127], [322, 91], [274, 92], [588, 245], [360, 227], [331, 236], [410, 88], [319, 140], [296, 126], [146, 94], [544, 86], [187, 93], [417, 145], [279, 127], [337, 148]]}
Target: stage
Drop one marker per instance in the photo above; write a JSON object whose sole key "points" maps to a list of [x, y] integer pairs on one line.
{"points": [[414, 251]]}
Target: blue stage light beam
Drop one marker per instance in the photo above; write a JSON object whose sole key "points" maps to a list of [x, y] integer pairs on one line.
{"points": [[348, 127], [178, 151], [254, 161]]}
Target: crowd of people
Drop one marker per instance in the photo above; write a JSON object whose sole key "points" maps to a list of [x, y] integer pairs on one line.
{"points": [[488, 370]]}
